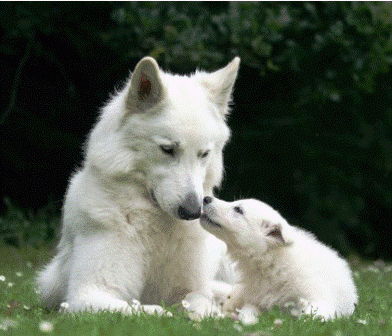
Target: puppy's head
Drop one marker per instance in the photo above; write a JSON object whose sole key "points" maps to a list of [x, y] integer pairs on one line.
{"points": [[247, 226]]}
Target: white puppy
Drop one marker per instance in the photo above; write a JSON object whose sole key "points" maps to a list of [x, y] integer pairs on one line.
{"points": [[279, 263]]}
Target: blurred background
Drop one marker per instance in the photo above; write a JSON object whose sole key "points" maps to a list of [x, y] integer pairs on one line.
{"points": [[311, 122]]}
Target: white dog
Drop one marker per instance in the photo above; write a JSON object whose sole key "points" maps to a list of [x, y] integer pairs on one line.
{"points": [[279, 263], [130, 220]]}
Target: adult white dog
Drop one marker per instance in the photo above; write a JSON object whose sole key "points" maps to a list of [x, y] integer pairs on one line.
{"points": [[280, 264], [130, 219]]}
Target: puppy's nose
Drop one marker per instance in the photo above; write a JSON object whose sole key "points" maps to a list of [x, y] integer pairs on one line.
{"points": [[207, 200]]}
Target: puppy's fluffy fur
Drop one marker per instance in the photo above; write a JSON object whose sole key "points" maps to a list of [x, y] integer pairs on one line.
{"points": [[279, 263]]}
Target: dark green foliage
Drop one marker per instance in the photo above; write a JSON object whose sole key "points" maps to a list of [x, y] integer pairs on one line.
{"points": [[312, 119], [28, 229]]}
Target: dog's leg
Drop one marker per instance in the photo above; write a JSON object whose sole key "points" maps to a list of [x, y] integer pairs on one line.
{"points": [[97, 301], [206, 301], [111, 278]]}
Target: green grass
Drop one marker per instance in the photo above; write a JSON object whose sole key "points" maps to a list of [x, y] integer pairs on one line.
{"points": [[21, 313]]}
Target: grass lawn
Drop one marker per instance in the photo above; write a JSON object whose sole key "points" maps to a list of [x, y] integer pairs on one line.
{"points": [[21, 314]]}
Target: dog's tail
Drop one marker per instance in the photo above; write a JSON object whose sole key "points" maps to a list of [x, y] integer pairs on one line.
{"points": [[52, 281]]}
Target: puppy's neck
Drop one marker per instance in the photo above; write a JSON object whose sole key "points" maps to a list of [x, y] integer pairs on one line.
{"points": [[251, 261]]}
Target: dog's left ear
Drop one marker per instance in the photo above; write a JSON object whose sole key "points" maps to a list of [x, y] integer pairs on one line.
{"points": [[220, 84], [146, 88]]}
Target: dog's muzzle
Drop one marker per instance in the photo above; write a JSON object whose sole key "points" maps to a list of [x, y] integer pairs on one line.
{"points": [[191, 208]]}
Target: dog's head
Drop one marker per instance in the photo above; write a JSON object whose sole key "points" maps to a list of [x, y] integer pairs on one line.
{"points": [[248, 227], [169, 133]]}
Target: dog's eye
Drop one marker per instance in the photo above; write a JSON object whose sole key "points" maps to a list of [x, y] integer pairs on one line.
{"points": [[203, 155], [167, 149], [239, 210]]}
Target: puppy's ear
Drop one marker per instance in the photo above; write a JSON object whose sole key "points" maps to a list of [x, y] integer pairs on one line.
{"points": [[220, 84], [146, 88]]}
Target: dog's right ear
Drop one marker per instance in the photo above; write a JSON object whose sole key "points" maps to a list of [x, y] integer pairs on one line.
{"points": [[146, 89], [220, 84]]}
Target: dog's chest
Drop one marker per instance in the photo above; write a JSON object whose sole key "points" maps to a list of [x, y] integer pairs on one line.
{"points": [[172, 266]]}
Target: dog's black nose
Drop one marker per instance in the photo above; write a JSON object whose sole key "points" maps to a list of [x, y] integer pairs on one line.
{"points": [[207, 200], [189, 214], [190, 209]]}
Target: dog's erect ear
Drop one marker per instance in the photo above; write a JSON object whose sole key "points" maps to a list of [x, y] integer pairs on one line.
{"points": [[220, 84], [146, 87]]}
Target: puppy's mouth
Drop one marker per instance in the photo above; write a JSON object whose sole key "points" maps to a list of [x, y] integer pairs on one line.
{"points": [[153, 198], [205, 219], [277, 234]]}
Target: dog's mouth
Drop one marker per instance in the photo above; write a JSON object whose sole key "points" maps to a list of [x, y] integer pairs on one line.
{"points": [[207, 220]]}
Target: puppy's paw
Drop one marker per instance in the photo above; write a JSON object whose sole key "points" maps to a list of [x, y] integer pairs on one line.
{"points": [[248, 314]]}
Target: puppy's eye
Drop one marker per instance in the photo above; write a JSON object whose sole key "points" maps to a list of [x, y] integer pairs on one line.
{"points": [[167, 149], [239, 210], [203, 155]]}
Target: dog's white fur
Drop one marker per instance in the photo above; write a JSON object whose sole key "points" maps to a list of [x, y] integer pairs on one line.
{"points": [[130, 228], [279, 263]]}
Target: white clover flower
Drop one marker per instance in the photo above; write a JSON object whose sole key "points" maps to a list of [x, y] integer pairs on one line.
{"points": [[248, 315], [196, 325], [168, 314], [237, 326], [364, 322], [63, 306], [289, 304], [372, 269], [8, 323], [10, 284], [295, 312], [19, 274], [2, 278], [46, 326], [303, 302], [278, 322], [185, 304], [135, 302]]}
